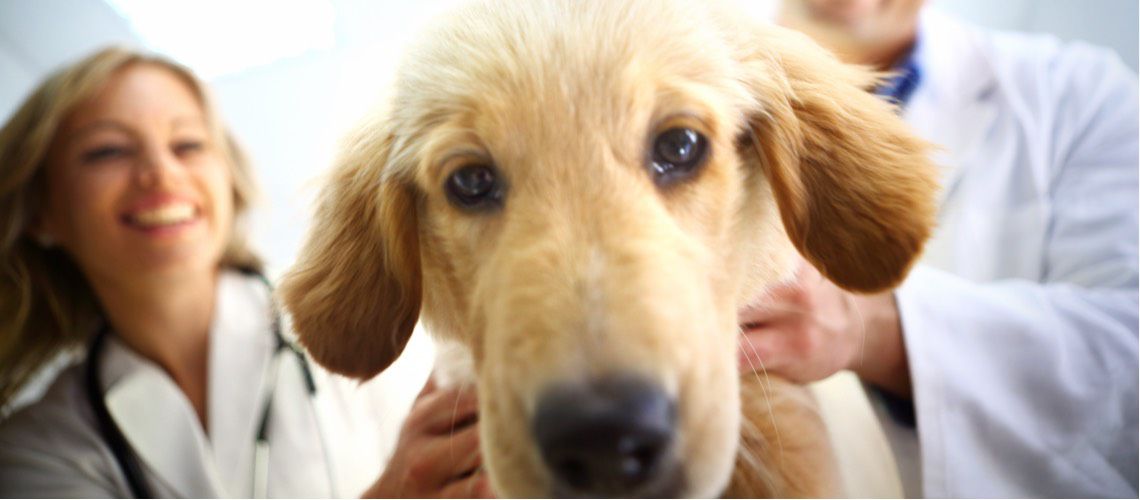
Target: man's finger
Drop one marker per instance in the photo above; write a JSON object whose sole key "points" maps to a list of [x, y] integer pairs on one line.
{"points": [[759, 353], [779, 302]]}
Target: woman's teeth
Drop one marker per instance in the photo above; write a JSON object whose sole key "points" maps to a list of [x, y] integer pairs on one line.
{"points": [[166, 215]]}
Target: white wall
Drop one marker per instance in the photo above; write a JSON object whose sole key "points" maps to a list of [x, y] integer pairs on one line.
{"points": [[1111, 23], [37, 36]]}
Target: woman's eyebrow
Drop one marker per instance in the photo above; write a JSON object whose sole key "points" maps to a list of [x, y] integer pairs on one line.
{"points": [[95, 127], [181, 121]]}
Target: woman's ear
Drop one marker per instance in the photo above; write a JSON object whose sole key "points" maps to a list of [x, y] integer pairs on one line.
{"points": [[855, 186], [355, 292], [43, 238], [40, 225]]}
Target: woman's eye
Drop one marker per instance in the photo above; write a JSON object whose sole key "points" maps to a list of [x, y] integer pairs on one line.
{"points": [[677, 155], [474, 187], [188, 147], [105, 153]]}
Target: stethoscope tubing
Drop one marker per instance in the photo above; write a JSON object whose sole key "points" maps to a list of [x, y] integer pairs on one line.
{"points": [[129, 462], [124, 455]]}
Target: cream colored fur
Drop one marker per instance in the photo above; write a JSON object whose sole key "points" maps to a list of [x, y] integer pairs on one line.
{"points": [[591, 268]]}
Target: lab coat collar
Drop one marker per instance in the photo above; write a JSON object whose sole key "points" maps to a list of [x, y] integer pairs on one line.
{"points": [[953, 62], [958, 79], [240, 348], [158, 420]]}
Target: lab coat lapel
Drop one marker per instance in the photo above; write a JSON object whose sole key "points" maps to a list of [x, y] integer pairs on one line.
{"points": [[949, 107], [240, 347], [241, 350], [158, 420], [159, 423]]}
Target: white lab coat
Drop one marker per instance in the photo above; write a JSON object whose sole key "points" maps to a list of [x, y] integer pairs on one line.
{"points": [[52, 448], [1020, 322]]}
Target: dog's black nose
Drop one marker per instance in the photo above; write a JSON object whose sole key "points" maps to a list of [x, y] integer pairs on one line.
{"points": [[609, 438]]}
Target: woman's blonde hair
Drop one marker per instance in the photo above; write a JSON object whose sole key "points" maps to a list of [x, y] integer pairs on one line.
{"points": [[46, 305]]}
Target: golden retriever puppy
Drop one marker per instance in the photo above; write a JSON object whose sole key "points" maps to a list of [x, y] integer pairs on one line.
{"points": [[581, 194]]}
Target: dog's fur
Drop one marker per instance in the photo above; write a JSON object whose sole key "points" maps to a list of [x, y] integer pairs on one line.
{"points": [[590, 267]]}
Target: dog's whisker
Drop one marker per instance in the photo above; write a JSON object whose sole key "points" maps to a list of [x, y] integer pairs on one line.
{"points": [[753, 463], [862, 327], [454, 417], [766, 384], [751, 365], [775, 425], [783, 308]]}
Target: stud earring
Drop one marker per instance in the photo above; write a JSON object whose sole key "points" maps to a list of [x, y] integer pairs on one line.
{"points": [[45, 240]]}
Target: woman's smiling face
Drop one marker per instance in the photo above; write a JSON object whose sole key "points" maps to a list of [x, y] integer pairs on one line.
{"points": [[137, 185]]}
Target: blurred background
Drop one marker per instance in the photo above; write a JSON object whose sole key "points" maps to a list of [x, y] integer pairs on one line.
{"points": [[291, 76]]}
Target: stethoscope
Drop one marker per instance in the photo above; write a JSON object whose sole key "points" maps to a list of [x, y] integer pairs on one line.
{"points": [[129, 461]]}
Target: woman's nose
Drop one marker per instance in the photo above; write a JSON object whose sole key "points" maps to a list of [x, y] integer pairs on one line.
{"points": [[155, 166]]}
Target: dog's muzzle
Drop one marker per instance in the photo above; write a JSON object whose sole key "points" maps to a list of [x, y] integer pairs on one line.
{"points": [[611, 437]]}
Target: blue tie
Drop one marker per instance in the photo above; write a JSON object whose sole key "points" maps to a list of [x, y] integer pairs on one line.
{"points": [[899, 88]]}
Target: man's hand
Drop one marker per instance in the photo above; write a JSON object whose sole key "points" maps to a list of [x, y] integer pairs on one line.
{"points": [[809, 329], [437, 455]]}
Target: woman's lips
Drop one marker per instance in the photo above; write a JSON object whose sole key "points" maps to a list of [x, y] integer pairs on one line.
{"points": [[167, 215]]}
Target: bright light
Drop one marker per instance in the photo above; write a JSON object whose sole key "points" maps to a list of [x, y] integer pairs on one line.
{"points": [[218, 37]]}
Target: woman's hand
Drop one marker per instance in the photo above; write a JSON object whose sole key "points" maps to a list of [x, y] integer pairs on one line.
{"points": [[437, 455], [810, 328]]}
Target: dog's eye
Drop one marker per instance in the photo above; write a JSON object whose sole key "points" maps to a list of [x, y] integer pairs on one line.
{"points": [[474, 187], [677, 153]]}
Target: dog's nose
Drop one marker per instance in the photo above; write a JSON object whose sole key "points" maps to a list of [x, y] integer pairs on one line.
{"points": [[609, 438]]}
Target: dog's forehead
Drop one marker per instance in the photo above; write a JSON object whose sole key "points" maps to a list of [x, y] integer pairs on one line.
{"points": [[561, 54]]}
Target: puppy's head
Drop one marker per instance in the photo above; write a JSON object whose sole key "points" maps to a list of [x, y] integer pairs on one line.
{"points": [[583, 194]]}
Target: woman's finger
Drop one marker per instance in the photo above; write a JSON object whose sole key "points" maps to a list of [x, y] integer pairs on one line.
{"points": [[471, 464], [441, 411], [456, 409], [445, 457], [428, 388], [474, 486], [465, 445], [456, 448]]}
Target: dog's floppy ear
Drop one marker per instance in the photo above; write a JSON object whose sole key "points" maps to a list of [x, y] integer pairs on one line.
{"points": [[355, 292], [855, 188]]}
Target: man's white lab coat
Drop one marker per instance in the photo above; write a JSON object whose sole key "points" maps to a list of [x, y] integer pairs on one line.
{"points": [[1020, 323]]}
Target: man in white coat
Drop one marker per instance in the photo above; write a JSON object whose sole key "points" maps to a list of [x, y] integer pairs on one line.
{"points": [[1006, 364]]}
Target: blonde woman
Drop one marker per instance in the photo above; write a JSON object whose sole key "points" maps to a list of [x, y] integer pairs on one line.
{"points": [[120, 196]]}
